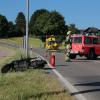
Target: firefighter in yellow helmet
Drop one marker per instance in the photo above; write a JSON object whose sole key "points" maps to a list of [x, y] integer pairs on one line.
{"points": [[68, 44]]}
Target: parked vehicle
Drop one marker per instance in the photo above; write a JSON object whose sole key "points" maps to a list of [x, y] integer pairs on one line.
{"points": [[88, 46]]}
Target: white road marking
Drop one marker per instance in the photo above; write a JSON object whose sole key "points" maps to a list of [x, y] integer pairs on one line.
{"points": [[65, 82], [68, 85]]}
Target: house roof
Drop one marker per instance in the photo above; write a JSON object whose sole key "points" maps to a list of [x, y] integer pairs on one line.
{"points": [[92, 30]]}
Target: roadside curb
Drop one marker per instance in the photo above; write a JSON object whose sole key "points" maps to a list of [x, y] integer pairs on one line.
{"points": [[64, 81]]}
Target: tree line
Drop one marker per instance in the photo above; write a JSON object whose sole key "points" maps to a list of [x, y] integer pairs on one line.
{"points": [[9, 29], [42, 23]]}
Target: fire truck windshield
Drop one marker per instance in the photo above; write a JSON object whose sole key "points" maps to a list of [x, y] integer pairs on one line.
{"points": [[77, 39]]}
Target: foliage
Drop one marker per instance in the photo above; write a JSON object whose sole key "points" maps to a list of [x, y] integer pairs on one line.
{"points": [[3, 26], [73, 28], [56, 23], [98, 33], [37, 21], [44, 23], [20, 23], [11, 30]]}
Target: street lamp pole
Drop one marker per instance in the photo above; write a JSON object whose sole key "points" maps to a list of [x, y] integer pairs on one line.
{"points": [[27, 28]]}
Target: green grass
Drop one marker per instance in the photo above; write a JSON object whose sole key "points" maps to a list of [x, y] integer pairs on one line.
{"points": [[33, 42], [31, 85], [9, 55], [17, 40]]}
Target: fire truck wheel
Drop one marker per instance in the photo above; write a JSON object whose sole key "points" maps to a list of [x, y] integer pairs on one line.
{"points": [[91, 54], [72, 56], [96, 56]]}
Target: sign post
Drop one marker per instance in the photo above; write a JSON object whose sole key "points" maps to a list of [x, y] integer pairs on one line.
{"points": [[27, 28]]}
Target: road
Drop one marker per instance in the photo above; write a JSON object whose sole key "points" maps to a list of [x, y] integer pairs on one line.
{"points": [[83, 74]]}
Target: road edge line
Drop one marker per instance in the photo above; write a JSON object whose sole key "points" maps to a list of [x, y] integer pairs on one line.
{"points": [[68, 86], [65, 81]]}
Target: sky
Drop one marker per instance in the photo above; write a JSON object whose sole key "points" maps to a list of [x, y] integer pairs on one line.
{"points": [[82, 13]]}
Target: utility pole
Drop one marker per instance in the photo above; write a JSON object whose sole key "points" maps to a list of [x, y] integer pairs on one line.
{"points": [[27, 29]]}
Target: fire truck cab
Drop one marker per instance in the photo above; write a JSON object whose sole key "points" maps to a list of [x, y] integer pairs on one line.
{"points": [[88, 46]]}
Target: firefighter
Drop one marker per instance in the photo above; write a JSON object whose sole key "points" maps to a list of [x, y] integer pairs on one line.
{"points": [[68, 43]]}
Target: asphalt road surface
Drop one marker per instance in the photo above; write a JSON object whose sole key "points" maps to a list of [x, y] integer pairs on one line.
{"points": [[83, 74]]}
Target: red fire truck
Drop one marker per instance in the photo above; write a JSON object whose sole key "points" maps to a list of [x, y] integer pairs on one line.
{"points": [[88, 46]]}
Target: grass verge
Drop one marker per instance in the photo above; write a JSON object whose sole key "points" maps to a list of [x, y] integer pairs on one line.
{"points": [[31, 85], [6, 54], [33, 42]]}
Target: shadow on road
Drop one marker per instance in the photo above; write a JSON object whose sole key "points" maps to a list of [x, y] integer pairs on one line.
{"points": [[80, 60], [84, 59], [85, 91], [98, 59], [61, 65], [47, 68], [89, 84]]}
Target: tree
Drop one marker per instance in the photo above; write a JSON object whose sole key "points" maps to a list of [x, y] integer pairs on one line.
{"points": [[73, 28], [3, 26], [38, 19], [37, 22], [44, 23], [11, 30], [55, 24], [20, 23]]}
